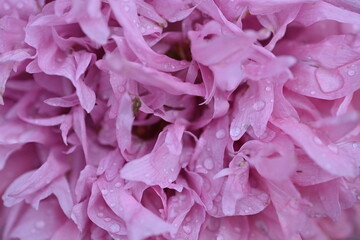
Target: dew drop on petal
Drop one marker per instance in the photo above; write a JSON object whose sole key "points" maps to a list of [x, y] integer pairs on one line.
{"points": [[354, 145], [220, 134], [107, 219], [104, 191], [100, 214], [114, 228], [235, 131], [126, 8], [208, 164], [259, 105], [351, 72], [268, 89], [187, 229]]}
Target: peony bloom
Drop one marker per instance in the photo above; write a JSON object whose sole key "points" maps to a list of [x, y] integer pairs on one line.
{"points": [[182, 119]]}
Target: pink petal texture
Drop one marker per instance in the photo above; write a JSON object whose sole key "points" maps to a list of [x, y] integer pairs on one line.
{"points": [[180, 120]]}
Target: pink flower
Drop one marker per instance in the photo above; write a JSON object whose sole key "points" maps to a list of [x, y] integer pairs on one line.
{"points": [[124, 119]]}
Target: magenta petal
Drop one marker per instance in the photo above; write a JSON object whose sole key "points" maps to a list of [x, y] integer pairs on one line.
{"points": [[181, 119], [29, 183], [161, 166]]}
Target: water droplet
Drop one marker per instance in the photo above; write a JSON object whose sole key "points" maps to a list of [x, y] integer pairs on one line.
{"points": [[107, 219], [333, 148], [220, 134], [268, 89], [114, 228], [351, 72], [111, 190], [354, 145], [235, 131], [329, 80], [40, 224], [312, 92], [318, 141], [100, 214], [126, 8], [147, 175], [187, 229], [259, 105], [112, 205], [208, 164], [104, 191]]}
